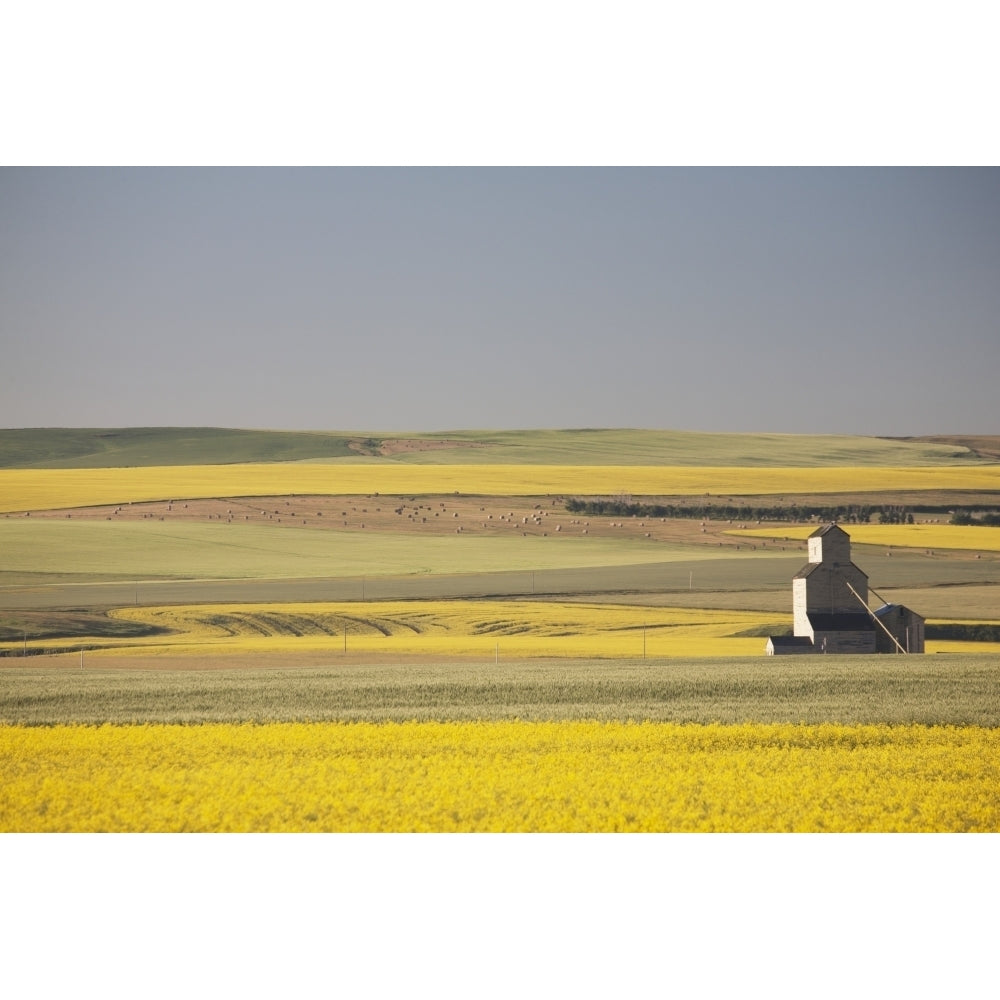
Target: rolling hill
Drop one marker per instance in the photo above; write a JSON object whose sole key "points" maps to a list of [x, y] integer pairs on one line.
{"points": [[66, 448]]}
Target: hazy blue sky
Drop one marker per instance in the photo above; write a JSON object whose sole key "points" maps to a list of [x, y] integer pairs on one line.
{"points": [[802, 300]]}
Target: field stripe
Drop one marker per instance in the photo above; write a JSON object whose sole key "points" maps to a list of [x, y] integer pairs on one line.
{"points": [[499, 776], [46, 489], [915, 536]]}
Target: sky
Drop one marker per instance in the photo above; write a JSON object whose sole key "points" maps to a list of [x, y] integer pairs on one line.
{"points": [[812, 300]]}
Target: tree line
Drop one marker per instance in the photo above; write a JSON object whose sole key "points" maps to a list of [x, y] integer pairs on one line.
{"points": [[844, 513], [964, 517], [964, 631]]}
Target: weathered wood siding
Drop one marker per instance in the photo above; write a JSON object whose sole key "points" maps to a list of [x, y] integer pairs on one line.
{"points": [[906, 626], [833, 547], [845, 642], [828, 590]]}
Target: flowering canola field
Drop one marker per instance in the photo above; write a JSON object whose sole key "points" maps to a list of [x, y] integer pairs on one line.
{"points": [[499, 776], [487, 630], [447, 628], [47, 489], [916, 536]]}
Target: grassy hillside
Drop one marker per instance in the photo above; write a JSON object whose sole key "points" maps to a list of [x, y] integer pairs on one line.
{"points": [[661, 447], [986, 446], [99, 448], [63, 448]]}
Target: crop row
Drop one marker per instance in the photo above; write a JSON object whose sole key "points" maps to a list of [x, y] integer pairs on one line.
{"points": [[521, 628], [464, 628]]}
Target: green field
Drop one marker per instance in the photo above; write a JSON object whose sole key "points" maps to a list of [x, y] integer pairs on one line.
{"points": [[58, 562], [685, 448], [149, 550], [933, 690]]}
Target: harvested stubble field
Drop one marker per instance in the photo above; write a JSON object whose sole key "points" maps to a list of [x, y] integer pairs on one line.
{"points": [[289, 731]]}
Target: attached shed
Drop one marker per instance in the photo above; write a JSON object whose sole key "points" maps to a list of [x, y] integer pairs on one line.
{"points": [[904, 626], [778, 645]]}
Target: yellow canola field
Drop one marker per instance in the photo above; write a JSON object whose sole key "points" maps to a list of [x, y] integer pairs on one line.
{"points": [[913, 536], [488, 629], [464, 629], [498, 776], [46, 489]]}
